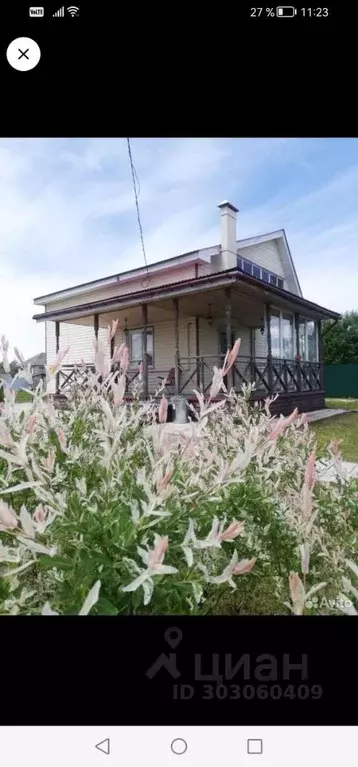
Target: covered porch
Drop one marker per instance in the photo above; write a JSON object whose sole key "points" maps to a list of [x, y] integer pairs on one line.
{"points": [[178, 334]]}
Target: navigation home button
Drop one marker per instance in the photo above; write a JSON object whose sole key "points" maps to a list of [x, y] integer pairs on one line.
{"points": [[179, 746]]}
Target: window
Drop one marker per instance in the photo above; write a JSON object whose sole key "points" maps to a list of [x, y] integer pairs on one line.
{"points": [[275, 333], [135, 342], [311, 330], [302, 339], [282, 335], [308, 338], [247, 267], [287, 336]]}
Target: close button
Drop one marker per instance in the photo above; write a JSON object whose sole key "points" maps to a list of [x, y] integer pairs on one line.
{"points": [[23, 54]]}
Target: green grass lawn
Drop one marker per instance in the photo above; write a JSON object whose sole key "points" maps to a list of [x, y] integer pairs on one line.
{"points": [[343, 404], [342, 427], [23, 396]]}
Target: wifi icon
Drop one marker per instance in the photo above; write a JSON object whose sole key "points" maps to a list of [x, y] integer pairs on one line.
{"points": [[73, 10]]}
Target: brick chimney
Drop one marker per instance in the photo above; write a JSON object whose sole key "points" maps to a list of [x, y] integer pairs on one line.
{"points": [[228, 257]]}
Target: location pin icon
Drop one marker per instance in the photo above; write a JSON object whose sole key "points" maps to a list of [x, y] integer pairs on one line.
{"points": [[173, 636]]}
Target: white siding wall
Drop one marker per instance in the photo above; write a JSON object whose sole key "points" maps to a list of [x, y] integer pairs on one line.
{"points": [[79, 338], [260, 344], [164, 348], [265, 254]]}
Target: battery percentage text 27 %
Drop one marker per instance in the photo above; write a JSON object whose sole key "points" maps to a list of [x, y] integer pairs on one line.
{"points": [[268, 12]]}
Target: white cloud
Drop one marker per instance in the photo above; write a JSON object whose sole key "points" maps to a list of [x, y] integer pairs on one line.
{"points": [[17, 310]]}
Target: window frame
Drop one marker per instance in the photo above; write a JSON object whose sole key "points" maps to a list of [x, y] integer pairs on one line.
{"points": [[306, 320], [241, 260], [296, 351], [129, 332], [281, 312]]}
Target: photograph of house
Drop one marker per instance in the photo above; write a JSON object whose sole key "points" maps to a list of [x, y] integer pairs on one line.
{"points": [[179, 317], [173, 434]]}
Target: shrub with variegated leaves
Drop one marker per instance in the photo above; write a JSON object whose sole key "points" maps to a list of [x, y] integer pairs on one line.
{"points": [[104, 509]]}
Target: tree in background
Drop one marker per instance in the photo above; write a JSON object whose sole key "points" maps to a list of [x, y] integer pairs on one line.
{"points": [[340, 341]]}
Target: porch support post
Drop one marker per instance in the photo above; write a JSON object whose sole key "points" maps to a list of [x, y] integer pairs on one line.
{"points": [[298, 366], [320, 353], [228, 311], [125, 332], [57, 332], [177, 353], [197, 349], [96, 325], [269, 349], [145, 354], [252, 355]]}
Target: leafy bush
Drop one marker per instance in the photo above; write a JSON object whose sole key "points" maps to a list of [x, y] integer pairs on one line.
{"points": [[104, 509]]}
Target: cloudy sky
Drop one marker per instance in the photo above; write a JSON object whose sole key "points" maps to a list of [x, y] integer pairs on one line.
{"points": [[67, 212]]}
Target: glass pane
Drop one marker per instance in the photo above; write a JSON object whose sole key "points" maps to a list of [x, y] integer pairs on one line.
{"points": [[239, 263], [136, 345], [256, 271], [273, 279], [302, 339], [248, 267], [275, 334], [287, 336], [150, 346], [265, 276], [280, 283], [311, 341]]}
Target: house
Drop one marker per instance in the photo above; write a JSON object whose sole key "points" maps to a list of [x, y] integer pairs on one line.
{"points": [[179, 316], [37, 367]]}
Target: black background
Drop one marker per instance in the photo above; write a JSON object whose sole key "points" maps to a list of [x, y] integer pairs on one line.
{"points": [[180, 70], [174, 71], [93, 671]]}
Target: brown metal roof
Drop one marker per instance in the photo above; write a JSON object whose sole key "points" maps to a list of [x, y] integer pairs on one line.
{"points": [[229, 275]]}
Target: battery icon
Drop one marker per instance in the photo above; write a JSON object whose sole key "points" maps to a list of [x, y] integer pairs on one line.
{"points": [[286, 11]]}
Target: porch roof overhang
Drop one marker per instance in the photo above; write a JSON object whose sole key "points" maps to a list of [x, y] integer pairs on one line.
{"points": [[244, 283]]}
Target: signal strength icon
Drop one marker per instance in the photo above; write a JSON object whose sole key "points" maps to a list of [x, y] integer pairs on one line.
{"points": [[59, 13], [73, 10]]}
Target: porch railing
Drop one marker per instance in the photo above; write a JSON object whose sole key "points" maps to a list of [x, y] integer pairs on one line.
{"points": [[278, 375], [269, 377], [71, 375]]}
